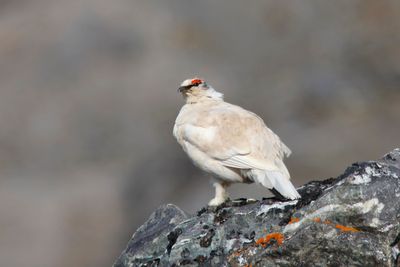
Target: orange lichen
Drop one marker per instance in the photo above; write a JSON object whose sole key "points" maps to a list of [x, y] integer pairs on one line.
{"points": [[264, 241], [260, 241], [244, 253], [327, 222], [240, 252], [293, 220], [317, 220], [248, 265], [338, 226], [346, 228]]}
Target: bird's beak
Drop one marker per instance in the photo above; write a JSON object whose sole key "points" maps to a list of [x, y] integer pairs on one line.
{"points": [[181, 89]]}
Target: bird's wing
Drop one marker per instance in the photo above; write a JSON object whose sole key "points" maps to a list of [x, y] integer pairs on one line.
{"points": [[234, 136], [210, 141], [248, 162]]}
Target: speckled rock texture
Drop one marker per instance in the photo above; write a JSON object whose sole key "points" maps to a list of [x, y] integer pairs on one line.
{"points": [[351, 220]]}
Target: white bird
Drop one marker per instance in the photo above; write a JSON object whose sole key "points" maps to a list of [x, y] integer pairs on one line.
{"points": [[232, 144]]}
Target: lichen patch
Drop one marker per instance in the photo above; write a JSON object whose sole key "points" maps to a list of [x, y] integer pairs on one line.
{"points": [[268, 239]]}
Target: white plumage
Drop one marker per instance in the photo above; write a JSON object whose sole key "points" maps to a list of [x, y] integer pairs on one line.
{"points": [[229, 142]]}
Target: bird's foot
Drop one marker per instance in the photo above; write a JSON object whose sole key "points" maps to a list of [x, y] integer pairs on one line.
{"points": [[220, 194], [216, 201]]}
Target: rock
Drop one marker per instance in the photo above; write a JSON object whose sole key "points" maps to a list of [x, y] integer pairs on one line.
{"points": [[154, 238], [351, 220]]}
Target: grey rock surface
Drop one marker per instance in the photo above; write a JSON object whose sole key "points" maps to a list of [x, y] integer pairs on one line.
{"points": [[351, 220]]}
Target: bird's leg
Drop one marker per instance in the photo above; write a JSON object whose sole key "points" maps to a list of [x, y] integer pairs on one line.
{"points": [[220, 193]]}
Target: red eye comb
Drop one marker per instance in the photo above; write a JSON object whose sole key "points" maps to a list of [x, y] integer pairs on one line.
{"points": [[196, 81]]}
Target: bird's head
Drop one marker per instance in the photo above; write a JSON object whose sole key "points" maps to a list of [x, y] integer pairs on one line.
{"points": [[195, 90]]}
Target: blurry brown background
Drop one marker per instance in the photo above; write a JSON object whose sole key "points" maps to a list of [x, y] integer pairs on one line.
{"points": [[88, 101]]}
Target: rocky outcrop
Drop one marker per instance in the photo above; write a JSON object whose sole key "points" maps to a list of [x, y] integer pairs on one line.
{"points": [[351, 220]]}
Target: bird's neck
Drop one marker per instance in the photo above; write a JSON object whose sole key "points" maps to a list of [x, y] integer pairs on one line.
{"points": [[209, 95]]}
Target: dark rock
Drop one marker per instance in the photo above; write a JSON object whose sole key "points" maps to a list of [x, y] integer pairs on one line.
{"points": [[157, 236], [172, 237], [351, 220], [206, 240]]}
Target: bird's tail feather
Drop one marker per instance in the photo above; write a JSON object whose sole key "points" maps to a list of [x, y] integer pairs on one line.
{"points": [[282, 184], [276, 180]]}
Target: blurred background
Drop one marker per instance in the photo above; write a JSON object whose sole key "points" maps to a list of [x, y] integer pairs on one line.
{"points": [[88, 101]]}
